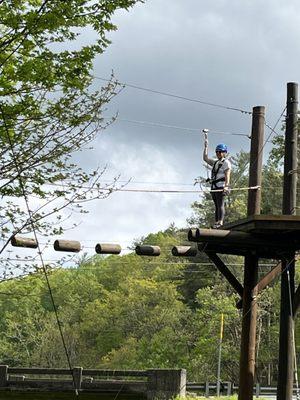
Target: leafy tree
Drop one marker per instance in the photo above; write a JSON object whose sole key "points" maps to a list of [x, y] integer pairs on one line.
{"points": [[213, 301], [277, 157], [130, 312], [47, 108]]}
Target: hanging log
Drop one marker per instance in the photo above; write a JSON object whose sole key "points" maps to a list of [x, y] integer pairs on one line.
{"points": [[71, 246], [184, 251], [217, 235], [18, 241], [192, 235], [147, 250], [107, 248]]}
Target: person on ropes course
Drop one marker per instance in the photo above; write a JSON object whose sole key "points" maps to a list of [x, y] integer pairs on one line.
{"points": [[219, 180]]}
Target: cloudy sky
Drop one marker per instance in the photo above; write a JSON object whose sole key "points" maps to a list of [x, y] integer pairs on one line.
{"points": [[234, 53], [238, 54]]}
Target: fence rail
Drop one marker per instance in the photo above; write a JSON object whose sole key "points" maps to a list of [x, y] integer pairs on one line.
{"points": [[229, 388], [90, 372], [151, 384]]}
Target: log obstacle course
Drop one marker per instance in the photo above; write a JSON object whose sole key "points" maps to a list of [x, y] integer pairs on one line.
{"points": [[256, 235], [74, 246], [266, 236]]}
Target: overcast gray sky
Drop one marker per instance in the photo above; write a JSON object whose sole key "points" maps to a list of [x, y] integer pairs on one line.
{"points": [[235, 53]]}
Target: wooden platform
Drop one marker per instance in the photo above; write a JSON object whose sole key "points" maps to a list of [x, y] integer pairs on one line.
{"points": [[265, 236], [279, 225]]}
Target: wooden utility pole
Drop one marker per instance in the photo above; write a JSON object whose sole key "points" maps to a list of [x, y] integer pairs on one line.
{"points": [[248, 339], [286, 351]]}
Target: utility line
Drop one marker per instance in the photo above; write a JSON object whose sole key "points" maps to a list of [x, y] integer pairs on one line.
{"points": [[181, 261], [124, 84]]}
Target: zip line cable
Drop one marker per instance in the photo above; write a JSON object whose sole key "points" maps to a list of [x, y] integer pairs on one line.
{"points": [[181, 128], [22, 187], [124, 84]]}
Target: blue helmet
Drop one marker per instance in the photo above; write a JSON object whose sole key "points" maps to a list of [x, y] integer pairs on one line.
{"points": [[222, 147]]}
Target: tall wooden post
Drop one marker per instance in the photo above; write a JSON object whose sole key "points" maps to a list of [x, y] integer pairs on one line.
{"points": [[286, 356], [248, 339]]}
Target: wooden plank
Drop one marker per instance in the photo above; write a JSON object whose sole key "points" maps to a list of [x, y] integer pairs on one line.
{"points": [[269, 277], [288, 224]]}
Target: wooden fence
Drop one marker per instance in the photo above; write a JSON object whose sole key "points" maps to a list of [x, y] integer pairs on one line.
{"points": [[151, 384]]}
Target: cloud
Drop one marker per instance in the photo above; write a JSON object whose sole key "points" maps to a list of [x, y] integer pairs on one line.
{"points": [[237, 53], [233, 54]]}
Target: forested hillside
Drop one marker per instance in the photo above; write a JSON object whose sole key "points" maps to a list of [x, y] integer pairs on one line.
{"points": [[138, 312]]}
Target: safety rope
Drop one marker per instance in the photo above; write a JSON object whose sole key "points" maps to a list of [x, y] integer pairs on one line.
{"points": [[180, 191]]}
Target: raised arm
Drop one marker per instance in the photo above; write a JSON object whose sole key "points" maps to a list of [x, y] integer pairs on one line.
{"points": [[205, 150]]}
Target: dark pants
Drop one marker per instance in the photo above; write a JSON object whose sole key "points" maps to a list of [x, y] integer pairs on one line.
{"points": [[219, 200]]}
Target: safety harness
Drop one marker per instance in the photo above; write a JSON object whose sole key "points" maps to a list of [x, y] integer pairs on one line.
{"points": [[214, 172]]}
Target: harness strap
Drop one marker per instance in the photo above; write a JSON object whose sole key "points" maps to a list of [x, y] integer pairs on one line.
{"points": [[214, 174]]}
